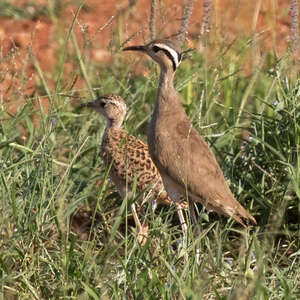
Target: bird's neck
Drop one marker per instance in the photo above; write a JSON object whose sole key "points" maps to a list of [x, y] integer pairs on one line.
{"points": [[167, 99], [113, 123], [111, 126], [166, 85]]}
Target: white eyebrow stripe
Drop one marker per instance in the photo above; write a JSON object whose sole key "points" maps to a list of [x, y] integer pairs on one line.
{"points": [[173, 53], [119, 104]]}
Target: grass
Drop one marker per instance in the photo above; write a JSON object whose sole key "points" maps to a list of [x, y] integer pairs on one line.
{"points": [[66, 234]]}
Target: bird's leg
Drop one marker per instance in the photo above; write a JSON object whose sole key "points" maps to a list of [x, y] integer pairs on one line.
{"points": [[183, 227], [181, 218], [197, 229], [142, 229]]}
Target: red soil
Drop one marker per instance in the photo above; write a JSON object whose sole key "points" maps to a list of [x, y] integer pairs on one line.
{"points": [[230, 19]]}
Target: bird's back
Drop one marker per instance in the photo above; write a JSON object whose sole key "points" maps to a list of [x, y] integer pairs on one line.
{"points": [[182, 155], [129, 160]]}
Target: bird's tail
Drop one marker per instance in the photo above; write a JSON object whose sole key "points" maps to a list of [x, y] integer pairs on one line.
{"points": [[242, 213]]}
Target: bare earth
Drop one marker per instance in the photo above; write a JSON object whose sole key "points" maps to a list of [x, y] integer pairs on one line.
{"points": [[270, 20]]}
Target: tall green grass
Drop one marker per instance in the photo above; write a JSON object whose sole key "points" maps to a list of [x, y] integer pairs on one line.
{"points": [[66, 234]]}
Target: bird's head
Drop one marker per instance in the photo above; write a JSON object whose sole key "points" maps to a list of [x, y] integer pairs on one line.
{"points": [[166, 53], [111, 106]]}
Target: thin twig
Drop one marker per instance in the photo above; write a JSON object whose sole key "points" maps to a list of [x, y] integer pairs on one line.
{"points": [[131, 37], [207, 8], [206, 21], [249, 88], [105, 25], [152, 21], [82, 65], [186, 15], [294, 13]]}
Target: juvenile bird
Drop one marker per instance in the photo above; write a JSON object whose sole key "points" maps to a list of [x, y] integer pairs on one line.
{"points": [[129, 160]]}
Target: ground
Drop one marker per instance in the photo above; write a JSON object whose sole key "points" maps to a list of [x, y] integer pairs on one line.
{"points": [[37, 31]]}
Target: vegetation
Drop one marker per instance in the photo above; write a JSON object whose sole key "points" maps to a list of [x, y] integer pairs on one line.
{"points": [[66, 234]]}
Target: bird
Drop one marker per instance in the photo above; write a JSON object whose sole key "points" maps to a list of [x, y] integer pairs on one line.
{"points": [[128, 160], [186, 163]]}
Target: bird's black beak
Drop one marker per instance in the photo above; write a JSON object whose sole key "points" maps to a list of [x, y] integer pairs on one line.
{"points": [[135, 48]]}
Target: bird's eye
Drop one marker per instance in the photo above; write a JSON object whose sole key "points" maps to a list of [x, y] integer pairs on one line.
{"points": [[155, 49], [180, 57], [102, 103]]}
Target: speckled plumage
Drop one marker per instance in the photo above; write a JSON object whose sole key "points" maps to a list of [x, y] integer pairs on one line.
{"points": [[128, 157]]}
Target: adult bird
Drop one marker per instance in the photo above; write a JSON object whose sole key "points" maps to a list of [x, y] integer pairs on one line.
{"points": [[186, 163]]}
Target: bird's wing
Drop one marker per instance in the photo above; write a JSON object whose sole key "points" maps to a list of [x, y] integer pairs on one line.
{"points": [[188, 160], [129, 157], [131, 161]]}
